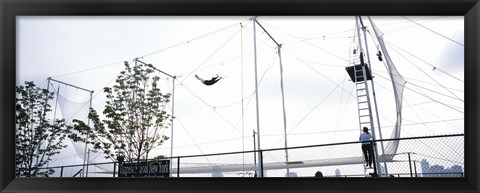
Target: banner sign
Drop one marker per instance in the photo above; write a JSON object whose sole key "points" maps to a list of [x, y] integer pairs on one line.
{"points": [[145, 169]]}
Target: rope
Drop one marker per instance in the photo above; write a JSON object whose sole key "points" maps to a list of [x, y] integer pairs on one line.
{"points": [[427, 74], [436, 92], [193, 139], [436, 68], [403, 28], [208, 58], [376, 43], [303, 61], [425, 125], [194, 39], [211, 107], [88, 69], [243, 110], [343, 112], [205, 143], [423, 95], [429, 112], [302, 40], [152, 53], [410, 81], [432, 149], [434, 31]]}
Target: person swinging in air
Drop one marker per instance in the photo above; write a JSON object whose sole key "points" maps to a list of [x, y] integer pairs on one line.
{"points": [[209, 82]]}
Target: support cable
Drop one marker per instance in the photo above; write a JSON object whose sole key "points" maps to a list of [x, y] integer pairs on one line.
{"points": [[429, 147], [155, 52], [218, 49], [434, 31], [421, 69], [427, 75], [436, 68], [425, 96], [199, 148], [430, 129]]}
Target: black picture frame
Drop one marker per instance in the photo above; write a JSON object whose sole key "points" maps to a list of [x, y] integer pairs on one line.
{"points": [[9, 9]]}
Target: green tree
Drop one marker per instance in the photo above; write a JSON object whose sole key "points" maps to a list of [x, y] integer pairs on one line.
{"points": [[37, 140], [134, 116]]}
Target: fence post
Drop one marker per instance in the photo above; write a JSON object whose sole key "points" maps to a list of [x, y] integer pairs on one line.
{"points": [[261, 164], [178, 166], [374, 161], [114, 168], [410, 164], [415, 167], [61, 172]]}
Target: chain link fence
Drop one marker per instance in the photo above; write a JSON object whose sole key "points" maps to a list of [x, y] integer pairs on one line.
{"points": [[432, 156]]}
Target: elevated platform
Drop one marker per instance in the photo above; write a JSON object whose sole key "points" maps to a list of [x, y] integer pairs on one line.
{"points": [[358, 68]]}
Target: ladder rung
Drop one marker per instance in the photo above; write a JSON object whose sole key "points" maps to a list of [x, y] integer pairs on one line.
{"points": [[363, 102], [361, 95], [364, 122], [364, 115], [363, 109], [361, 89]]}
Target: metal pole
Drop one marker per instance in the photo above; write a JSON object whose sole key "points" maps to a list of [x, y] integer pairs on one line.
{"points": [[56, 102], [283, 95], [173, 103], [415, 167], [88, 157], [261, 163], [254, 154], [375, 166], [410, 164], [114, 168], [243, 110], [49, 78], [256, 88], [61, 172], [368, 99], [88, 123], [173, 110], [374, 96], [284, 112], [43, 113], [86, 138], [178, 166]]}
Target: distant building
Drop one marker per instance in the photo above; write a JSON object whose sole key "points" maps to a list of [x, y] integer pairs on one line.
{"points": [[292, 174], [217, 174], [425, 167], [382, 169], [436, 171], [337, 173], [440, 171], [455, 171]]}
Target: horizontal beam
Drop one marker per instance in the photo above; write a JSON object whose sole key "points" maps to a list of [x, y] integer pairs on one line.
{"points": [[49, 78]]}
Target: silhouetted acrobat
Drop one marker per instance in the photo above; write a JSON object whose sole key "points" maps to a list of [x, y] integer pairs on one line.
{"points": [[379, 54], [209, 82]]}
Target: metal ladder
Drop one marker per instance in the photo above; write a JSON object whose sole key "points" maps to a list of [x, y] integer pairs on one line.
{"points": [[363, 100]]}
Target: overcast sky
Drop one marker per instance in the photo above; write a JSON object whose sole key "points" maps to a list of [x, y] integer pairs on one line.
{"points": [[320, 103]]}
